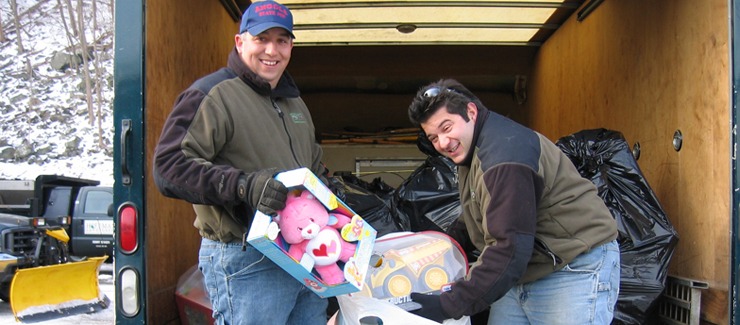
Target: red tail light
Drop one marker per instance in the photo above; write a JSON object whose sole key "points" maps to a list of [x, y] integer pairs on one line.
{"points": [[128, 239]]}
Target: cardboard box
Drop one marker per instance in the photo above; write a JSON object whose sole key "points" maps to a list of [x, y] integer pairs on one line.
{"points": [[264, 232]]}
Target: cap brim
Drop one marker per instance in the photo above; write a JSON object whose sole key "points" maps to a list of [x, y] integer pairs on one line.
{"points": [[259, 28]]}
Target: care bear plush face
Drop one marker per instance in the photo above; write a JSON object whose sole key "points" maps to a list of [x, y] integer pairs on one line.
{"points": [[303, 217]]}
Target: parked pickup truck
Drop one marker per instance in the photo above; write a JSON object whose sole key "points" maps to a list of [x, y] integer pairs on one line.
{"points": [[78, 205], [53, 230]]}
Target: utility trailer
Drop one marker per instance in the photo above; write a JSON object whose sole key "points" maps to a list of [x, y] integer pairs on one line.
{"points": [[661, 72]]}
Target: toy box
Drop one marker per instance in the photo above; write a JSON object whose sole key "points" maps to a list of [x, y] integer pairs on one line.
{"points": [[402, 263], [264, 235], [413, 262]]}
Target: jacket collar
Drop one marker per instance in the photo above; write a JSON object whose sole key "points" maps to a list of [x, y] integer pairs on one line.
{"points": [[286, 87], [483, 114]]}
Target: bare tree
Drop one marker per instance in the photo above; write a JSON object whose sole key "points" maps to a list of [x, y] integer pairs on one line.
{"points": [[32, 100], [67, 32], [2, 30], [98, 76], [85, 57], [17, 24], [72, 21]]}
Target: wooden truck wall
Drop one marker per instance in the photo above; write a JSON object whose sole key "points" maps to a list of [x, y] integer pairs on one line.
{"points": [[648, 69], [644, 68]]}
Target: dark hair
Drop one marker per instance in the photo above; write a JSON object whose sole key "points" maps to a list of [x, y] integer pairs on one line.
{"points": [[447, 93]]}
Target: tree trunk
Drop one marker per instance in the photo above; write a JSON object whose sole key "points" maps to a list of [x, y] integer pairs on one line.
{"points": [[85, 70], [17, 23], [72, 21], [2, 31], [98, 76], [32, 101], [67, 32]]}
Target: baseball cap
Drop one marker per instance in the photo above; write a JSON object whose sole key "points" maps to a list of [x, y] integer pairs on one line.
{"points": [[263, 15]]}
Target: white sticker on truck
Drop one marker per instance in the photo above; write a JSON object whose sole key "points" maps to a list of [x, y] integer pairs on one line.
{"points": [[98, 227]]}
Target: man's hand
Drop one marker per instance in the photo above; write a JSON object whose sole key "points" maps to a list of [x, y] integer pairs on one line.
{"points": [[263, 192], [431, 308]]}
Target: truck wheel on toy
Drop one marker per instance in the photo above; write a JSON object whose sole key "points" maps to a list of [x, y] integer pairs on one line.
{"points": [[398, 285], [434, 277]]}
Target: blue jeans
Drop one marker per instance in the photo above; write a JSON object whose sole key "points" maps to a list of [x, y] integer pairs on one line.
{"points": [[583, 292], [245, 287]]}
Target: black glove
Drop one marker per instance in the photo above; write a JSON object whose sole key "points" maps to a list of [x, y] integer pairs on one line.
{"points": [[431, 308], [263, 192]]}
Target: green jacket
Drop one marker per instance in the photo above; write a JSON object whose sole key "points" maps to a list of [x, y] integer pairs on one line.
{"points": [[526, 208], [224, 125]]}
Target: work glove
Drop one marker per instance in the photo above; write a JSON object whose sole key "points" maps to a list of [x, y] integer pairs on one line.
{"points": [[431, 308], [261, 191]]}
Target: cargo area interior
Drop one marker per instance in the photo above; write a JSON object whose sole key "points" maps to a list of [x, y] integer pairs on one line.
{"points": [[647, 69]]}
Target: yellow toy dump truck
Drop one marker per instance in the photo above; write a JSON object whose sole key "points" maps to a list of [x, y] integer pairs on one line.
{"points": [[413, 262]]}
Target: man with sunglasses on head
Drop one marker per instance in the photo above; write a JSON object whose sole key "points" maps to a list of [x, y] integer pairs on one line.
{"points": [[226, 137], [547, 241]]}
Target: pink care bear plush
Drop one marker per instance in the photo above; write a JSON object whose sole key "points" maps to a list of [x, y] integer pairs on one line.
{"points": [[311, 230]]}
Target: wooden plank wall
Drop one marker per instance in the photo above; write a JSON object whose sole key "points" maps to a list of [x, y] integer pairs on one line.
{"points": [[185, 39], [381, 81], [647, 69]]}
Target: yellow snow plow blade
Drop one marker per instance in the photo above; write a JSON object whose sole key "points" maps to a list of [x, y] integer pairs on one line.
{"points": [[57, 290]]}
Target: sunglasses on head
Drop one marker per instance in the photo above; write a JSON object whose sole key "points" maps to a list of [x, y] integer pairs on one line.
{"points": [[435, 91]]}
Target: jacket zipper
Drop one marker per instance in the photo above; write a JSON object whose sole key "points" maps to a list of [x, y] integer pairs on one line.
{"points": [[542, 248], [290, 142], [285, 126]]}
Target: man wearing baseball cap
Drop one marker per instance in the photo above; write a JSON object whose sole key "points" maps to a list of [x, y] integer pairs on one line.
{"points": [[226, 137]]}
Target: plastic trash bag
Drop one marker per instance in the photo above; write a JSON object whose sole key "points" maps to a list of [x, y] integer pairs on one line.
{"points": [[360, 310], [646, 237], [428, 199], [363, 199], [377, 186], [406, 262]]}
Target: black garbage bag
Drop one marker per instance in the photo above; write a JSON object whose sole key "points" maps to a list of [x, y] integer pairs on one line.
{"points": [[377, 186], [428, 199], [360, 196], [646, 237]]}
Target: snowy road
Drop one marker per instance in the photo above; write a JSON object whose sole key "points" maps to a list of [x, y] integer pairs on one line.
{"points": [[104, 317]]}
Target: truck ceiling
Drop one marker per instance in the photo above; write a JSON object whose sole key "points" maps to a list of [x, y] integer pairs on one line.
{"points": [[476, 22]]}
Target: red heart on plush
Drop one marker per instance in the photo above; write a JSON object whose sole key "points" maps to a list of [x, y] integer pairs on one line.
{"points": [[321, 251]]}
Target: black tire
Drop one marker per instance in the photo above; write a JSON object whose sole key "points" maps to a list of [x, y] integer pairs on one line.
{"points": [[5, 291]]}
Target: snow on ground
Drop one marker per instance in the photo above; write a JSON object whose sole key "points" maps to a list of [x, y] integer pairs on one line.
{"points": [[96, 167], [45, 123]]}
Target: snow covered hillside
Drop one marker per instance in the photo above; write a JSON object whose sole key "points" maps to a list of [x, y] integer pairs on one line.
{"points": [[46, 124]]}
